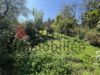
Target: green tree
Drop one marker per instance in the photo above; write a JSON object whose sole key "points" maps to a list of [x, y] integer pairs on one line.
{"points": [[92, 4], [13, 53], [65, 21], [67, 11], [12, 8], [91, 18], [38, 15], [92, 13], [63, 25], [98, 26]]}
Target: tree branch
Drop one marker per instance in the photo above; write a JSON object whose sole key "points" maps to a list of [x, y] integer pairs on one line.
{"points": [[6, 11]]}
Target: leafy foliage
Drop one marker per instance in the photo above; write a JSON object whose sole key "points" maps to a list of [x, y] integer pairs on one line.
{"points": [[12, 52], [12, 9], [63, 56], [52, 53], [38, 18], [93, 37], [98, 26], [91, 18], [64, 25]]}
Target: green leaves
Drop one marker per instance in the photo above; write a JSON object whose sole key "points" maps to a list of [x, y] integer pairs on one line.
{"points": [[61, 60], [98, 26], [61, 25]]}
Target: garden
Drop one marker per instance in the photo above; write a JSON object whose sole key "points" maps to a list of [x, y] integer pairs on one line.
{"points": [[59, 46]]}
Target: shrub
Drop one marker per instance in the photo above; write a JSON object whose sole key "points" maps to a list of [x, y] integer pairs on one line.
{"points": [[64, 26], [98, 26], [32, 32], [93, 37], [14, 52]]}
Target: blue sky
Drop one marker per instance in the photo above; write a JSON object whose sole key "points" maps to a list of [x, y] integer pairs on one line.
{"points": [[50, 8]]}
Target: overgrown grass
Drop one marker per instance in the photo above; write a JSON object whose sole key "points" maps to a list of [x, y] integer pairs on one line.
{"points": [[64, 56]]}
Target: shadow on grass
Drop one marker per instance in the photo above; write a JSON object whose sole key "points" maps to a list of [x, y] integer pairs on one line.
{"points": [[41, 39]]}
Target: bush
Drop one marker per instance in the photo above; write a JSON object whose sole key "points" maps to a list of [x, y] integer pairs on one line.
{"points": [[64, 26], [32, 33], [93, 37], [14, 53], [98, 26]]}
